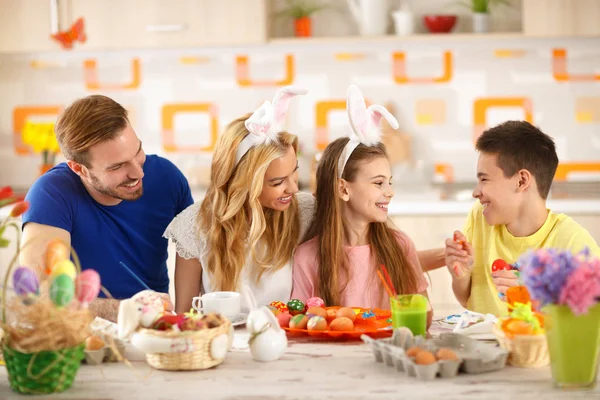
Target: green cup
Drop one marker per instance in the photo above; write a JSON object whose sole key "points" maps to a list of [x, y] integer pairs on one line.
{"points": [[410, 310]]}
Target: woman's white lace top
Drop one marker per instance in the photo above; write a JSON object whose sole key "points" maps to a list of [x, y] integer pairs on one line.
{"points": [[277, 285]]}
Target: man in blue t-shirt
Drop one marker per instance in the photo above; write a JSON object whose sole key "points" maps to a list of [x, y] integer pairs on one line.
{"points": [[110, 201]]}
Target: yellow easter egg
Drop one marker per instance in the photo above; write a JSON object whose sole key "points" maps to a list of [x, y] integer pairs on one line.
{"points": [[64, 267]]}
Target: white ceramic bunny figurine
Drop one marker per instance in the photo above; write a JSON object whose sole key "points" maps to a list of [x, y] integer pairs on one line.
{"points": [[143, 309], [267, 341]]}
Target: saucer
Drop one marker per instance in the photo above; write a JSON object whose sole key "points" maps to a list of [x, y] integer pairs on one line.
{"points": [[239, 319]]}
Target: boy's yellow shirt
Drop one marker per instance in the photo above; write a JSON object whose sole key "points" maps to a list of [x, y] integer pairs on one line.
{"points": [[491, 242]]}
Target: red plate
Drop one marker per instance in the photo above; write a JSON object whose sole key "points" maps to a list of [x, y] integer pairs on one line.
{"points": [[374, 327]]}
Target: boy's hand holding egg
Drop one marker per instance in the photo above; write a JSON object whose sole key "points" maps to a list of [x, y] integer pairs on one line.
{"points": [[505, 276], [459, 256]]}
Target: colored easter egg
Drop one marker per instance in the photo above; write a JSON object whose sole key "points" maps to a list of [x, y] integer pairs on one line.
{"points": [[298, 321], [295, 306], [500, 265], [341, 324], [64, 267], [284, 319], [316, 323], [274, 310], [346, 312], [315, 302], [62, 290], [87, 286], [320, 311], [56, 251], [93, 343], [25, 282], [279, 305], [166, 321]]}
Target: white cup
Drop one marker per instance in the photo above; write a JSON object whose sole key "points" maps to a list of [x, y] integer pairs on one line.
{"points": [[227, 304]]}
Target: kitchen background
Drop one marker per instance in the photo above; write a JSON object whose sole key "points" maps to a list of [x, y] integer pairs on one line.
{"points": [[186, 68]]}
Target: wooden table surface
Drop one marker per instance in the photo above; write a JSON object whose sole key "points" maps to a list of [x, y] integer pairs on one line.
{"points": [[308, 370]]}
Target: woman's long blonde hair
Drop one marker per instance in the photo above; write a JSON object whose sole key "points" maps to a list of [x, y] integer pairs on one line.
{"points": [[237, 227], [328, 225]]}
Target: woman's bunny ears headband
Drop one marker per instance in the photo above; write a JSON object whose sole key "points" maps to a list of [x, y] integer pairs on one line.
{"points": [[267, 122], [364, 123]]}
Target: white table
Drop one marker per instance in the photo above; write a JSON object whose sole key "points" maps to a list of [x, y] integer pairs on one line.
{"points": [[309, 370]]}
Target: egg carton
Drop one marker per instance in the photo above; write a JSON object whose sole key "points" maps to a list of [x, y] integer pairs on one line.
{"points": [[107, 331], [473, 357]]}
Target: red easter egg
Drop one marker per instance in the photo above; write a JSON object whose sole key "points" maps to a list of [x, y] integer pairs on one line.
{"points": [[87, 286], [500, 265], [284, 319]]}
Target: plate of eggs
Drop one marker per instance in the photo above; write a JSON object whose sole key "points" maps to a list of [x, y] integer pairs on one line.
{"points": [[343, 323]]}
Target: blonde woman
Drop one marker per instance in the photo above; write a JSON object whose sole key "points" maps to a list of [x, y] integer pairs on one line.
{"points": [[252, 217]]}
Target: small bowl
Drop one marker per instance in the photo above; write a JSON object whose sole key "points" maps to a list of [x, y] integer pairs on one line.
{"points": [[440, 23]]}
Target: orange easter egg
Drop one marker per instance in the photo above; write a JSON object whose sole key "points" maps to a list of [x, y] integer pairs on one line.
{"points": [[331, 315], [512, 327], [446, 354], [342, 324], [424, 357], [93, 343], [412, 352], [56, 251], [346, 312], [320, 311]]}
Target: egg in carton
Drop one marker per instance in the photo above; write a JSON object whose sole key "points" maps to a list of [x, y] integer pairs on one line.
{"points": [[443, 356], [103, 345], [105, 353]]}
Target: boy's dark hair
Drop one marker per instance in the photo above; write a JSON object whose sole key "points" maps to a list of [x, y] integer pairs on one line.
{"points": [[520, 145]]}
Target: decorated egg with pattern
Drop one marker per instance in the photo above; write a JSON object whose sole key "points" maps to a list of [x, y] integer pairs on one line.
{"points": [[26, 282], [62, 290], [279, 305], [295, 306], [87, 286], [315, 302]]}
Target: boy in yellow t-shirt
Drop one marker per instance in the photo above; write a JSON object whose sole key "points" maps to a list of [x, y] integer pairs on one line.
{"points": [[516, 166]]}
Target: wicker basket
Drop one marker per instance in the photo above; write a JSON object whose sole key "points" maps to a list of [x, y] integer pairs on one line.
{"points": [[42, 372], [526, 351], [199, 349]]}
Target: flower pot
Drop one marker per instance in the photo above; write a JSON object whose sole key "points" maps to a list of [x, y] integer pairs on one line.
{"points": [[481, 22], [574, 345], [302, 27]]}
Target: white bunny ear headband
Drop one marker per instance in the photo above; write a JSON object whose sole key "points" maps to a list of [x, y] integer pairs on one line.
{"points": [[364, 123], [267, 122]]}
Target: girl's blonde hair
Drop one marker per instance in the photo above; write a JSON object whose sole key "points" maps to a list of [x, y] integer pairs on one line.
{"points": [[328, 226], [237, 227]]}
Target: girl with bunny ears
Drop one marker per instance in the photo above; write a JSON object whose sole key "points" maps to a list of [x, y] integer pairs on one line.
{"points": [[248, 225], [351, 235]]}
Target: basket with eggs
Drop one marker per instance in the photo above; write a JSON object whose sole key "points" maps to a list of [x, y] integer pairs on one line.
{"points": [[316, 320], [46, 323], [522, 333], [173, 342]]}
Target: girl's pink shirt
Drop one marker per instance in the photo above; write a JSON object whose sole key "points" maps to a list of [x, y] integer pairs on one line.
{"points": [[364, 287]]}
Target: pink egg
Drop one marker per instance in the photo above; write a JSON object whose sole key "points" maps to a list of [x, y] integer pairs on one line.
{"points": [[87, 286], [284, 319], [315, 302]]}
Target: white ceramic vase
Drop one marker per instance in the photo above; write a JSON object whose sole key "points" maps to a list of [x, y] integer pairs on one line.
{"points": [[481, 22], [372, 16]]}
